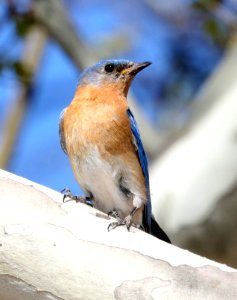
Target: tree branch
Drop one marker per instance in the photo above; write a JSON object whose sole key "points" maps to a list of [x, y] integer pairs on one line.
{"points": [[34, 44], [64, 251]]}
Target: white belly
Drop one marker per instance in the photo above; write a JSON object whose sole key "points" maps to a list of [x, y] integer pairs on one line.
{"points": [[102, 179]]}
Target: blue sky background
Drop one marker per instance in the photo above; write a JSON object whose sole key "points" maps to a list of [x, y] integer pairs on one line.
{"points": [[183, 56]]}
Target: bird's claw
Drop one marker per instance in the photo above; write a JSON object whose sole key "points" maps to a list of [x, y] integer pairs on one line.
{"points": [[120, 222], [68, 196]]}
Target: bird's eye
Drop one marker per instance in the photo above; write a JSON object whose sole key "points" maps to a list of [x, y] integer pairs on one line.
{"points": [[109, 68]]}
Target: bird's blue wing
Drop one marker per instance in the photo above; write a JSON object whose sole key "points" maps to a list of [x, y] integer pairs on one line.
{"points": [[144, 165], [61, 132]]}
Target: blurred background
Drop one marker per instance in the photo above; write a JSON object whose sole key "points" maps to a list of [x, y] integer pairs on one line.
{"points": [[185, 102]]}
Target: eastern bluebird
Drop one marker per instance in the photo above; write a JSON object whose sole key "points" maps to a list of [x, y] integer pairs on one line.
{"points": [[99, 134]]}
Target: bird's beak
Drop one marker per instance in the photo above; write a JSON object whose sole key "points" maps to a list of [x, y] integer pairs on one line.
{"points": [[135, 68]]}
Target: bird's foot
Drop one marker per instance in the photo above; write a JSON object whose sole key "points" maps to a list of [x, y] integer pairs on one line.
{"points": [[68, 196], [113, 214], [127, 221]]}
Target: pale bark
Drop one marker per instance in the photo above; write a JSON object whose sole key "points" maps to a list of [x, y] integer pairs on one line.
{"points": [[194, 182], [51, 250]]}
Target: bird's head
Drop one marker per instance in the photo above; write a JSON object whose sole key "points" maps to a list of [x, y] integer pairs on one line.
{"points": [[115, 72]]}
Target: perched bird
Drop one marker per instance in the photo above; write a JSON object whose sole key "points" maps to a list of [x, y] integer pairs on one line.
{"points": [[99, 134]]}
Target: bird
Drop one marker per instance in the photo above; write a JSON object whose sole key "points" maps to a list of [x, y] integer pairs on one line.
{"points": [[100, 135]]}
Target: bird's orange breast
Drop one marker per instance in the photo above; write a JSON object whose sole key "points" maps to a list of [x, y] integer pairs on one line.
{"points": [[97, 116]]}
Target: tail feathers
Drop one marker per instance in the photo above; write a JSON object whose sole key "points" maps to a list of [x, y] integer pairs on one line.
{"points": [[158, 232]]}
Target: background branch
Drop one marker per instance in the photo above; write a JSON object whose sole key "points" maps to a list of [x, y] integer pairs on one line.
{"points": [[194, 182], [32, 52]]}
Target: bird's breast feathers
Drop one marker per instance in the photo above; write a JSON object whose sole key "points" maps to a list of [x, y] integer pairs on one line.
{"points": [[100, 120]]}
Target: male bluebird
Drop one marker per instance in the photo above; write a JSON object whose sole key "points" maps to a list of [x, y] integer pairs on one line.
{"points": [[100, 135]]}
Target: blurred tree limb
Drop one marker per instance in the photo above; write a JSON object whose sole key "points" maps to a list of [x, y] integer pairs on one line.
{"points": [[217, 19], [52, 15], [33, 48], [219, 23], [194, 183]]}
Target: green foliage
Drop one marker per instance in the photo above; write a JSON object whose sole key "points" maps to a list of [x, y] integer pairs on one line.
{"points": [[217, 30], [213, 25], [23, 25], [205, 5], [23, 72]]}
